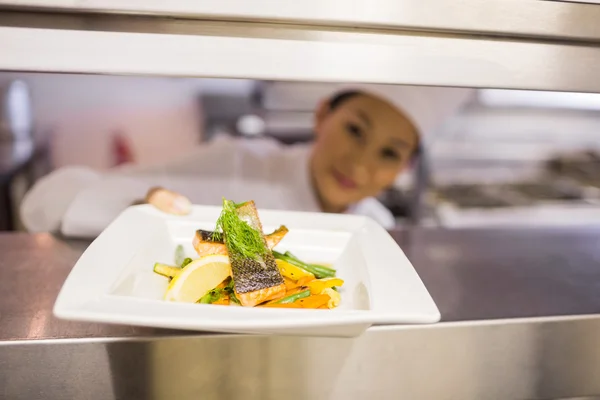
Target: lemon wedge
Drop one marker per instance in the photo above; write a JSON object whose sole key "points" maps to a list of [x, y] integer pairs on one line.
{"points": [[197, 278]]}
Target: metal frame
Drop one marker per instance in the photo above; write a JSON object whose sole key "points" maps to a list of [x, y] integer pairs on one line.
{"points": [[519, 359], [529, 18], [115, 44]]}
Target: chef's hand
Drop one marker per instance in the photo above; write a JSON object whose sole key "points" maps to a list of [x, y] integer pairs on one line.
{"points": [[168, 201]]}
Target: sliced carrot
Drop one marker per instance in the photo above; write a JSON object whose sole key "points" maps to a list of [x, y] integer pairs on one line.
{"points": [[304, 280], [313, 301], [289, 284], [223, 301], [222, 284], [277, 295], [317, 301], [279, 305]]}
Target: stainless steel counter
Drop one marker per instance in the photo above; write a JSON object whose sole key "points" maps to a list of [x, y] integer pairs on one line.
{"points": [[520, 311]]}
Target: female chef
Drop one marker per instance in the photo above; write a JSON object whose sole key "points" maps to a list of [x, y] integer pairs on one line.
{"points": [[365, 136]]}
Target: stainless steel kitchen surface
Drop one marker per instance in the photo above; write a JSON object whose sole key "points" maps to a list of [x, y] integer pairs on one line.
{"points": [[519, 320], [524, 44], [527, 18]]}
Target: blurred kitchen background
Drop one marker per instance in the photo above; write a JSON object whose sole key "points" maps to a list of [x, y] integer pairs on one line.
{"points": [[511, 158]]}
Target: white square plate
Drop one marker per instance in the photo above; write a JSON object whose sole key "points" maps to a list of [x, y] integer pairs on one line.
{"points": [[113, 281]]}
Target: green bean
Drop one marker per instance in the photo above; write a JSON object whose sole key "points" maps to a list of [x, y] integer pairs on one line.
{"points": [[186, 262], [316, 266], [292, 298], [317, 270], [211, 296], [320, 271], [206, 299], [233, 298], [230, 290]]}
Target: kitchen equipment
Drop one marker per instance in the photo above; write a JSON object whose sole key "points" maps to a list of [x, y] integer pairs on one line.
{"points": [[15, 113]]}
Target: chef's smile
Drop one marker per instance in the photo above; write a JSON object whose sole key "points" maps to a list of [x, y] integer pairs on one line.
{"points": [[343, 180]]}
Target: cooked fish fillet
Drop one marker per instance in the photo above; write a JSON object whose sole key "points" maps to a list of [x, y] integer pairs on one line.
{"points": [[274, 238], [204, 244], [256, 297], [255, 280]]}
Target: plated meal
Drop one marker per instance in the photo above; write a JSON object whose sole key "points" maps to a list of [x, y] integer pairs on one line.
{"points": [[236, 265], [238, 280]]}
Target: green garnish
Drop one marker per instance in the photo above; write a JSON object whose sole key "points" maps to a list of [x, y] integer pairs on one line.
{"points": [[215, 294], [233, 298], [211, 296], [186, 262], [242, 240], [229, 290]]}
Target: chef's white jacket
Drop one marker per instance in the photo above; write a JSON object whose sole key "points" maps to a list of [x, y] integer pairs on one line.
{"points": [[82, 202]]}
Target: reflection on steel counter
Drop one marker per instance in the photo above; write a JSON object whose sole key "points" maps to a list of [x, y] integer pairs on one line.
{"points": [[474, 275], [18, 159], [14, 159], [480, 274]]}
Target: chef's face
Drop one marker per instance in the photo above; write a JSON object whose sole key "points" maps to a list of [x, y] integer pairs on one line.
{"points": [[361, 146]]}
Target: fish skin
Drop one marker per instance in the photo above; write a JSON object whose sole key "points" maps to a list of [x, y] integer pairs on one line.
{"points": [[250, 275], [204, 245], [206, 236]]}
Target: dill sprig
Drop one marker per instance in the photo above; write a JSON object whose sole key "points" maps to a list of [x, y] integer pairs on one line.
{"points": [[241, 239]]}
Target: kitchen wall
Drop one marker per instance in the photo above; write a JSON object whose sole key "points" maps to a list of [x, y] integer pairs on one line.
{"points": [[159, 117]]}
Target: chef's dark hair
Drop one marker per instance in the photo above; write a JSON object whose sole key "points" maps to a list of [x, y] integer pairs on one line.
{"points": [[341, 97]]}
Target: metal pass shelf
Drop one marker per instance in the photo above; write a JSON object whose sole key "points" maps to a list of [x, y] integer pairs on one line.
{"points": [[520, 319]]}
